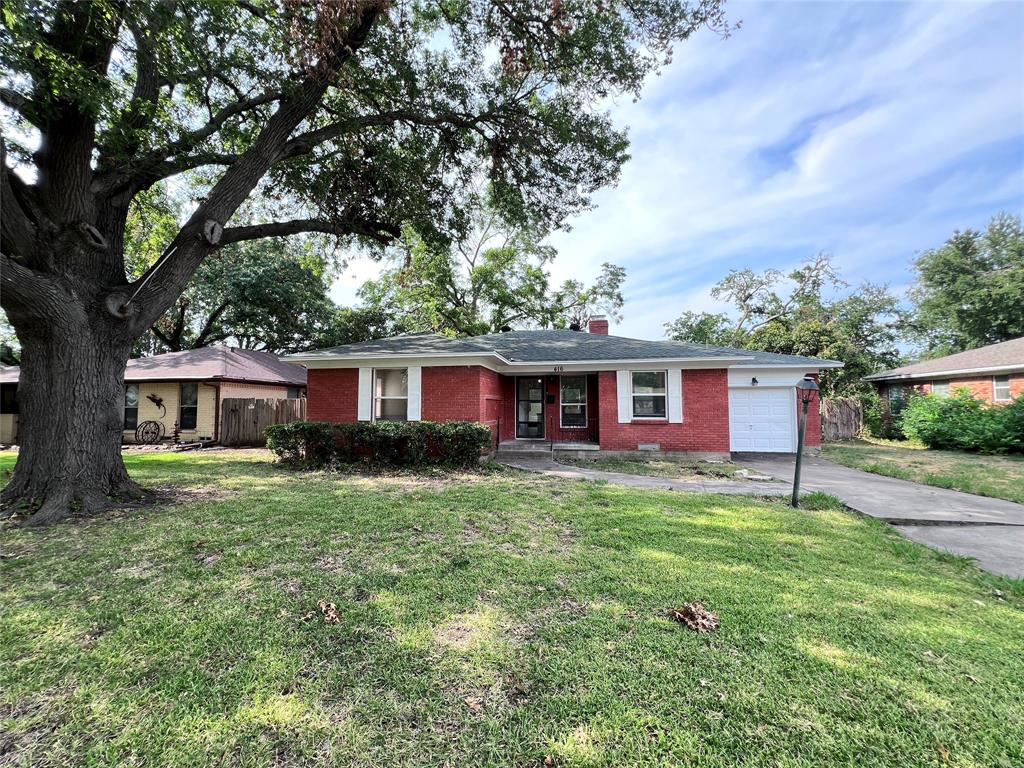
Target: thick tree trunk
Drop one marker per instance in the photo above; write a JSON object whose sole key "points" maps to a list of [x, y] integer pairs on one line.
{"points": [[70, 396]]}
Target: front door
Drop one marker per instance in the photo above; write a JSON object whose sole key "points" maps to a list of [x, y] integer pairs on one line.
{"points": [[530, 407]]}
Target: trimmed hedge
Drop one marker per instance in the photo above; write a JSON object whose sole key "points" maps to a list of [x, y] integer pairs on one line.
{"points": [[386, 443], [962, 423]]}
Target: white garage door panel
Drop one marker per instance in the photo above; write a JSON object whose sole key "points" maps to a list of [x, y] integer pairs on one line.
{"points": [[762, 420]]}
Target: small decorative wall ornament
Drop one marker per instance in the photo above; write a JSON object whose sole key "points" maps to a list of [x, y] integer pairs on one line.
{"points": [[158, 402], [753, 381]]}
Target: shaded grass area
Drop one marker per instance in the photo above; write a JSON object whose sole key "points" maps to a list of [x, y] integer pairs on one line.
{"points": [[1001, 477], [680, 470], [493, 619]]}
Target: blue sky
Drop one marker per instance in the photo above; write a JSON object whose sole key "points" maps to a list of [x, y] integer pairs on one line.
{"points": [[869, 131]]}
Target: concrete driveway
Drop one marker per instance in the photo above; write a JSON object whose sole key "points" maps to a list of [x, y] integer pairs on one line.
{"points": [[989, 530]]}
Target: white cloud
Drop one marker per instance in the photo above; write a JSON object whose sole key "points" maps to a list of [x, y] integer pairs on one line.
{"points": [[870, 132]]}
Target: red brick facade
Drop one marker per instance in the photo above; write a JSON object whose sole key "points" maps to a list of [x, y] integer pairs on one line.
{"points": [[705, 424], [981, 387], [332, 394], [812, 437], [474, 393]]}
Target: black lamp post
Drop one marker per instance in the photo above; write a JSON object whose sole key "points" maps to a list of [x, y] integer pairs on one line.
{"points": [[805, 390]]}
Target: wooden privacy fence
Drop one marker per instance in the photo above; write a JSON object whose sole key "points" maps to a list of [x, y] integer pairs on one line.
{"points": [[841, 419], [243, 419]]}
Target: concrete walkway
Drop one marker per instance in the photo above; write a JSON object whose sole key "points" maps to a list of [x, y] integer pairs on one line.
{"points": [[989, 530], [548, 466]]}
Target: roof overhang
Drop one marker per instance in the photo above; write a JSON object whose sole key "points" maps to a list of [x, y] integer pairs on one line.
{"points": [[951, 373], [500, 364]]}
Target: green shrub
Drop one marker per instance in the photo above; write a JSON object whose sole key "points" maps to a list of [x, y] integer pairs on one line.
{"points": [[963, 423], [879, 420], [301, 442], [383, 443]]}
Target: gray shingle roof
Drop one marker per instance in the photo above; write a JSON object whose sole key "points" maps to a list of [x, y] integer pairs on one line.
{"points": [[554, 346], [1006, 354]]}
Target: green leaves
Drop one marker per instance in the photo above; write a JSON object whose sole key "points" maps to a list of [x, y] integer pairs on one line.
{"points": [[970, 291], [492, 279]]}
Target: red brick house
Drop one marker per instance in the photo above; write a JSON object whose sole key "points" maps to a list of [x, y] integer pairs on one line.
{"points": [[571, 391], [994, 374]]}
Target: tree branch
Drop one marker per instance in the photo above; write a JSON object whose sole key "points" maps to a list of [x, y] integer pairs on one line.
{"points": [[380, 231], [17, 230], [202, 339], [20, 103], [203, 232]]}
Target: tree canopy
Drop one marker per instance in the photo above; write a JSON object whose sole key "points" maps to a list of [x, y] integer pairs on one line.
{"points": [[497, 277], [792, 314], [969, 292]]}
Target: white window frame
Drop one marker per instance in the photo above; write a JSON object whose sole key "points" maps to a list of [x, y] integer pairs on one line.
{"points": [[895, 393], [995, 390], [946, 392], [633, 395], [375, 398], [562, 403]]}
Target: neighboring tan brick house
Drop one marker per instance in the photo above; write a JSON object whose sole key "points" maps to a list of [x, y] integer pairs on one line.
{"points": [[994, 374], [183, 388], [573, 390]]}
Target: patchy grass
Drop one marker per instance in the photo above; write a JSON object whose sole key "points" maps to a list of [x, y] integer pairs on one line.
{"points": [[680, 470], [999, 476], [493, 619]]}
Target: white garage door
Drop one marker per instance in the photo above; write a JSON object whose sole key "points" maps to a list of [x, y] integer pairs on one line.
{"points": [[762, 420]]}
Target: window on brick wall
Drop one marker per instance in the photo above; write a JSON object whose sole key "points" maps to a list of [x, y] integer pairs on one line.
{"points": [[1001, 389], [391, 394], [650, 398], [574, 401], [940, 388]]}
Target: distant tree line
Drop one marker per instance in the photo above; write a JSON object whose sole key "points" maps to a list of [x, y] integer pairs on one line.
{"points": [[968, 293]]}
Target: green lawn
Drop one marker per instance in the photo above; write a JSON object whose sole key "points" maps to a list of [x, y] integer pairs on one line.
{"points": [[495, 619], [683, 470], [998, 476]]}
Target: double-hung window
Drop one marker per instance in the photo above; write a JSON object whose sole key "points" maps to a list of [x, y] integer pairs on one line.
{"points": [[391, 394], [131, 406], [940, 388], [574, 401], [1001, 389], [650, 398], [188, 405]]}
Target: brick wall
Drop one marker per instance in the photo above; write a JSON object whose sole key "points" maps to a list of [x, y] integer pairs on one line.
{"points": [[980, 387], [452, 393], [705, 424], [813, 435], [332, 394]]}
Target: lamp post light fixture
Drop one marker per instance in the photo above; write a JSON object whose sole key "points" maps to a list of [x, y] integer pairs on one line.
{"points": [[805, 390]]}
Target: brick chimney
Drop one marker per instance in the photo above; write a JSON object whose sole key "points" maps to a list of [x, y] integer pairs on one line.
{"points": [[598, 324]]}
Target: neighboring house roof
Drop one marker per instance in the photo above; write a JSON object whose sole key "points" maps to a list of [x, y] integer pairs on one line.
{"points": [[1002, 357], [551, 346], [206, 364]]}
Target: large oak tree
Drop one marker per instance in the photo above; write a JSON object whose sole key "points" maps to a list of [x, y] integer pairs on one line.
{"points": [[352, 118]]}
